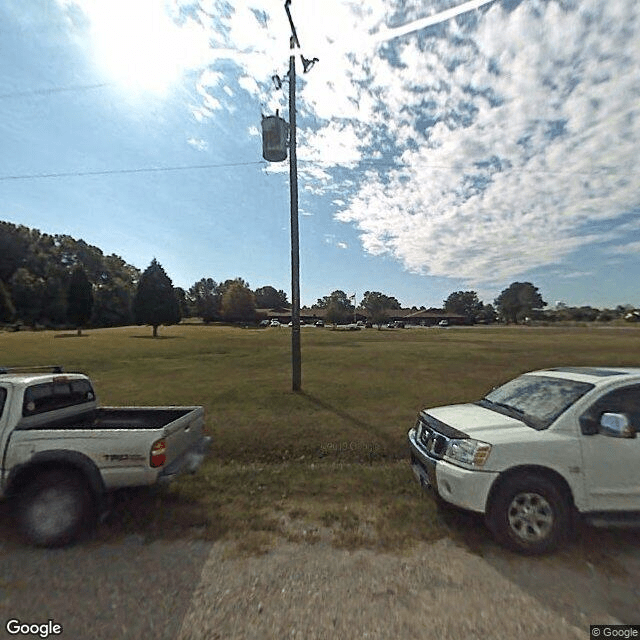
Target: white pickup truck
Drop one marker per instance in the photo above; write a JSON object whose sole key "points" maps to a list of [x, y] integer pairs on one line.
{"points": [[537, 452], [61, 453]]}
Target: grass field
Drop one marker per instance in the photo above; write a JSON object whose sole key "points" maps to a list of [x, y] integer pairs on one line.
{"points": [[330, 460]]}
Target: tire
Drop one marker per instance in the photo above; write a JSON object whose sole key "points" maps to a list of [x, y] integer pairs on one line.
{"points": [[55, 508], [529, 514]]}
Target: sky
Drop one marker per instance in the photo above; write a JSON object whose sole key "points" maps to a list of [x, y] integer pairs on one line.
{"points": [[442, 145]]}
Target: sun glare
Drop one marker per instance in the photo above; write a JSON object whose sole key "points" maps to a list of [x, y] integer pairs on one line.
{"points": [[139, 45]]}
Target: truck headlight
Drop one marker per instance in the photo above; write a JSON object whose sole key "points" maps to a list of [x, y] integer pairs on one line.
{"points": [[468, 451]]}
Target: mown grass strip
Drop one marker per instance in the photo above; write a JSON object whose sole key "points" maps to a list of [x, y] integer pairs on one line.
{"points": [[300, 464]]}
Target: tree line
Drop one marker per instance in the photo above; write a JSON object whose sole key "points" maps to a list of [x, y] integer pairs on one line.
{"points": [[36, 275], [56, 281], [520, 302]]}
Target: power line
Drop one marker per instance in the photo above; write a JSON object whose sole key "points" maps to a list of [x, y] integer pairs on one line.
{"points": [[109, 172], [372, 163]]}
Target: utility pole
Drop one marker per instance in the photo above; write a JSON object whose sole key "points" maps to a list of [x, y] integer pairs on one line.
{"points": [[296, 358]]}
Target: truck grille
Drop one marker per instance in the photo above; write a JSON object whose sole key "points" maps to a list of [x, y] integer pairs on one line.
{"points": [[434, 443], [431, 437]]}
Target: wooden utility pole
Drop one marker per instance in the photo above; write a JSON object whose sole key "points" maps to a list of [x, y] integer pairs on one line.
{"points": [[296, 357]]}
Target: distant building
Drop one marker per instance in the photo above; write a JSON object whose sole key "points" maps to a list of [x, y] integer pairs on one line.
{"points": [[310, 315]]}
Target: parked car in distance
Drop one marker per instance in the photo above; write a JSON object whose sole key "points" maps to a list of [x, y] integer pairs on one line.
{"points": [[274, 323], [443, 323], [264, 323], [537, 452], [319, 323]]}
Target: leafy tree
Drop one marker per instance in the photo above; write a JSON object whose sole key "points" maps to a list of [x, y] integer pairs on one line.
{"points": [[27, 292], [205, 299], [487, 314], [269, 298], [14, 249], [183, 303], [517, 300], [238, 303], [378, 306], [48, 262], [464, 303], [223, 286], [54, 299], [338, 307], [155, 301], [7, 310], [112, 304], [79, 298]]}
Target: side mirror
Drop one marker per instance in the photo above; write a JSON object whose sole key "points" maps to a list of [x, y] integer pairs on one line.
{"points": [[616, 425]]}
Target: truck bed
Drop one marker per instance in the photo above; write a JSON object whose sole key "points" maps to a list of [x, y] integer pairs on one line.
{"points": [[114, 418]]}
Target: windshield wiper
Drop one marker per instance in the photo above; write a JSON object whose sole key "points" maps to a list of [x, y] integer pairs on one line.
{"points": [[502, 405], [508, 407], [528, 419]]}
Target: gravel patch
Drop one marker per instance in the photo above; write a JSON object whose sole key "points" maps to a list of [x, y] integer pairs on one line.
{"points": [[439, 590]]}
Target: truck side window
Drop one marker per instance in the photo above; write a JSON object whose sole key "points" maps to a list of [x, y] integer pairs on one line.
{"points": [[50, 396], [625, 400], [3, 397]]}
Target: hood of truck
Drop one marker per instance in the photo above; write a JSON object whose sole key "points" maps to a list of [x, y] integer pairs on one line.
{"points": [[481, 423]]}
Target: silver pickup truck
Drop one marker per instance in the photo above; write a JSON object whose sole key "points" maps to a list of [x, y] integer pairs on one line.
{"points": [[61, 453]]}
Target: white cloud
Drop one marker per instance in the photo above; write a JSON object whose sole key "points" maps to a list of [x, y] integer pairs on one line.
{"points": [[249, 85], [535, 133], [197, 143], [482, 149], [630, 248]]}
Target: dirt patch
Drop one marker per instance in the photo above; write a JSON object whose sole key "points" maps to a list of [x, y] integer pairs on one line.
{"points": [[439, 590]]}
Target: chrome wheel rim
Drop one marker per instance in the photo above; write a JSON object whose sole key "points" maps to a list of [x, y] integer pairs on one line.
{"points": [[530, 517]]}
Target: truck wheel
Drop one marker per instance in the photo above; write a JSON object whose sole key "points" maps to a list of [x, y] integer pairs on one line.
{"points": [[529, 514], [55, 508]]}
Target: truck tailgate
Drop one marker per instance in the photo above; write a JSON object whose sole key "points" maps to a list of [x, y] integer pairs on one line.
{"points": [[183, 434]]}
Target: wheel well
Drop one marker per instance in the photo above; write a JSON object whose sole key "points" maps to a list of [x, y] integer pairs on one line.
{"points": [[25, 475], [536, 470]]}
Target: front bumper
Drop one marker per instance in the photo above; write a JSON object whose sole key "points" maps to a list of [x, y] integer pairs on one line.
{"points": [[464, 488], [188, 462]]}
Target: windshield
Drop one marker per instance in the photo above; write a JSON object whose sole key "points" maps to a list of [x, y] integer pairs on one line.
{"points": [[537, 400]]}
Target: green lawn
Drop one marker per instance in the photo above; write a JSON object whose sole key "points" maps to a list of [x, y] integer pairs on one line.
{"points": [[332, 457]]}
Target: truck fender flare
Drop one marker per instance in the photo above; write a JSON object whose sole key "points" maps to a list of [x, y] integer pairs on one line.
{"points": [[558, 479], [59, 458]]}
